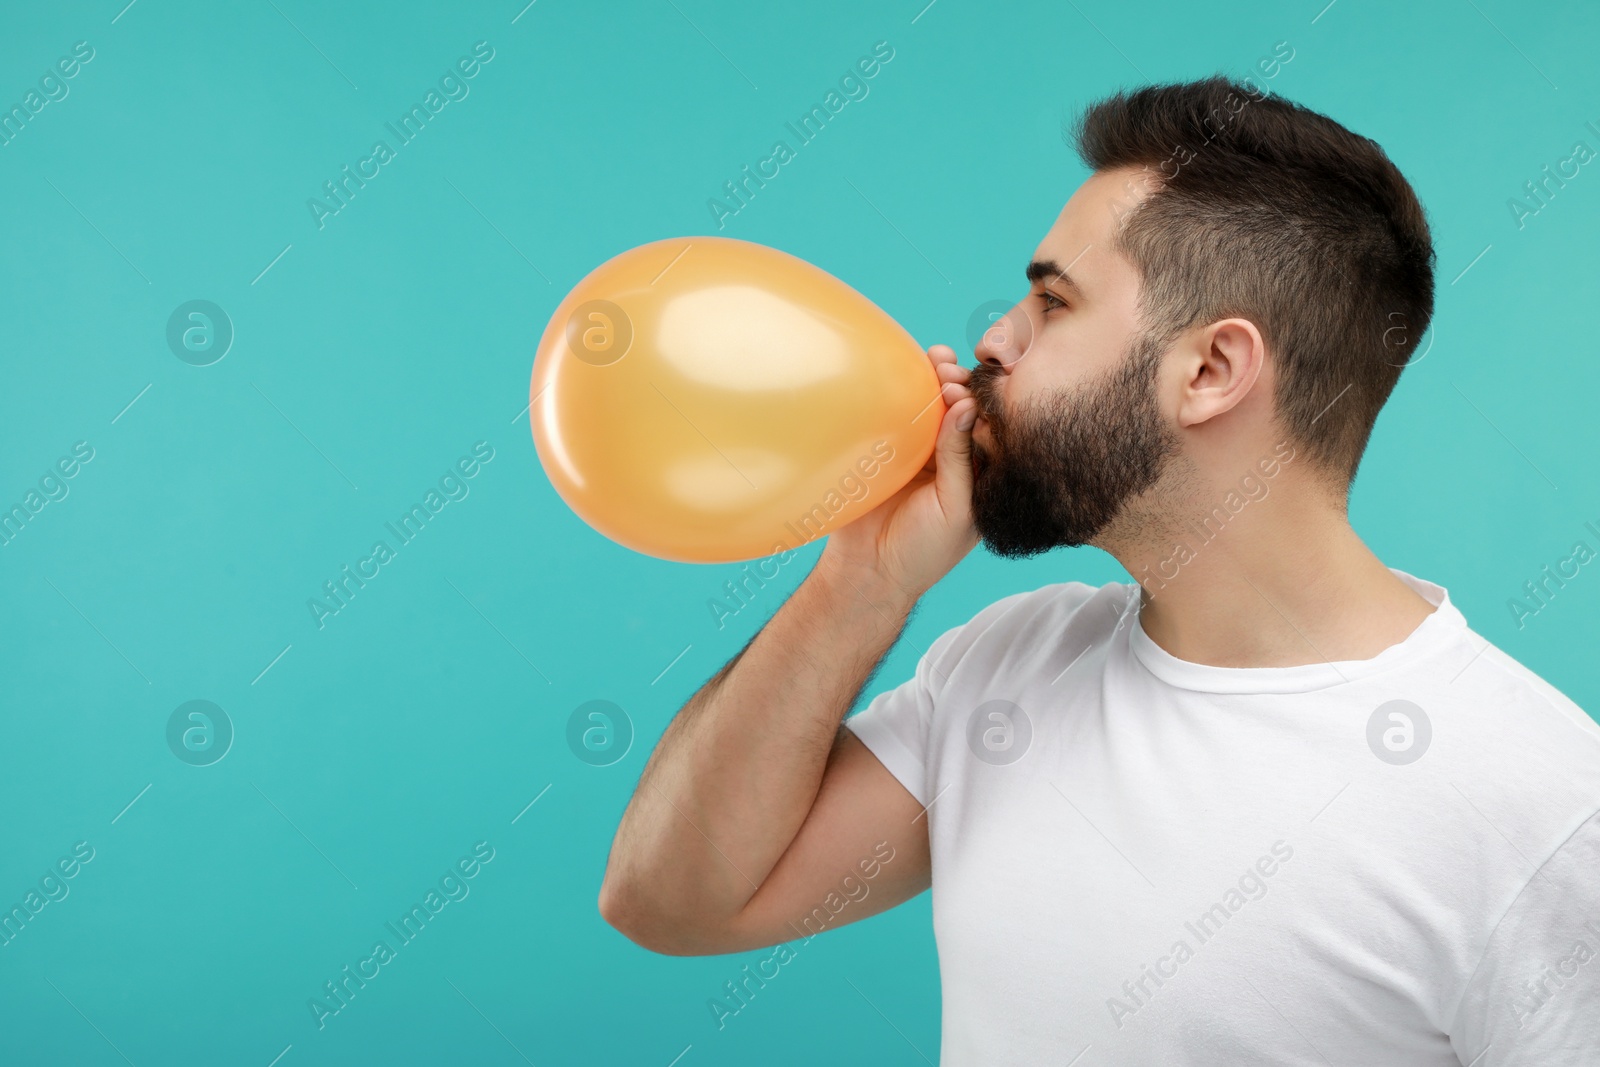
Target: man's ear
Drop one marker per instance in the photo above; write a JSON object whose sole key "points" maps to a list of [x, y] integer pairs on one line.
{"points": [[1223, 362]]}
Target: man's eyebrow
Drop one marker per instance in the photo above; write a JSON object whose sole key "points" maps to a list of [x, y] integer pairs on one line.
{"points": [[1051, 271]]}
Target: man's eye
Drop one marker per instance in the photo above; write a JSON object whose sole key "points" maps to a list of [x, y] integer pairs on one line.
{"points": [[1048, 297]]}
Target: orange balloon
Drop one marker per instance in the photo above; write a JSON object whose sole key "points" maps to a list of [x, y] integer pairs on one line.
{"points": [[709, 400]]}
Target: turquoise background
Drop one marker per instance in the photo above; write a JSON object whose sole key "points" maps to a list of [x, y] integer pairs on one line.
{"points": [[428, 713]]}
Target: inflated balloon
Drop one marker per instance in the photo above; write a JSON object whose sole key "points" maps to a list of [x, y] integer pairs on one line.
{"points": [[708, 400]]}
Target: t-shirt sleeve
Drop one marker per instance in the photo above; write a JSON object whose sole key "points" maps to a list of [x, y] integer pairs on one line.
{"points": [[894, 726], [1535, 996]]}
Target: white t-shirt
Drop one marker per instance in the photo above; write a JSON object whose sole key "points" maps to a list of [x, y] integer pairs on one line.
{"points": [[1155, 861]]}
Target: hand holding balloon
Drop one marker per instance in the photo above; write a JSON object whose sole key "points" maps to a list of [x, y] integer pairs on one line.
{"points": [[910, 541]]}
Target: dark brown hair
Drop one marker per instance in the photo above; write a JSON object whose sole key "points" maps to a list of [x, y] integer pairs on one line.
{"points": [[1269, 211]]}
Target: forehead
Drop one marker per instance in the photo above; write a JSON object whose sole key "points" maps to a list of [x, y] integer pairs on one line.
{"points": [[1083, 232]]}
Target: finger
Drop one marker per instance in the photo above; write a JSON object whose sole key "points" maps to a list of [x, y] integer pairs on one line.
{"points": [[952, 372], [949, 393], [953, 478], [941, 354]]}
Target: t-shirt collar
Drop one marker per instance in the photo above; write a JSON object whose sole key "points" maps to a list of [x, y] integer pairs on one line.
{"points": [[1444, 624]]}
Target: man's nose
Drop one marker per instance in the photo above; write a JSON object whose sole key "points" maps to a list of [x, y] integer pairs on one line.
{"points": [[1006, 340]]}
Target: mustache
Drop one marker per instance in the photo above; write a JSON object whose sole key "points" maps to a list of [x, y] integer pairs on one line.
{"points": [[981, 384]]}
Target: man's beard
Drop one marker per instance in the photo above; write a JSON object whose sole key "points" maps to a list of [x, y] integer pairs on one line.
{"points": [[1058, 471]]}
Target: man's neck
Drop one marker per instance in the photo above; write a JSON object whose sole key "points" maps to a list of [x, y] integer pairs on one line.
{"points": [[1289, 584]]}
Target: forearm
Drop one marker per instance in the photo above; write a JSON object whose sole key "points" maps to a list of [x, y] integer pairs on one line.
{"points": [[735, 774]]}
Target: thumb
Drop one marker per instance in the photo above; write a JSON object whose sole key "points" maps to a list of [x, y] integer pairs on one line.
{"points": [[952, 478]]}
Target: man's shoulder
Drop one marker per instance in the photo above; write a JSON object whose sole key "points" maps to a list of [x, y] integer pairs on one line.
{"points": [[1014, 632], [1049, 608], [1532, 689], [1508, 693], [1522, 753]]}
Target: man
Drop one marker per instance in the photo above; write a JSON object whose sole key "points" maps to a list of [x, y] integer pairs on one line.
{"points": [[1273, 802]]}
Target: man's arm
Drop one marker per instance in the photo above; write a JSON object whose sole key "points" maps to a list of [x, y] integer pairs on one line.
{"points": [[757, 802]]}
